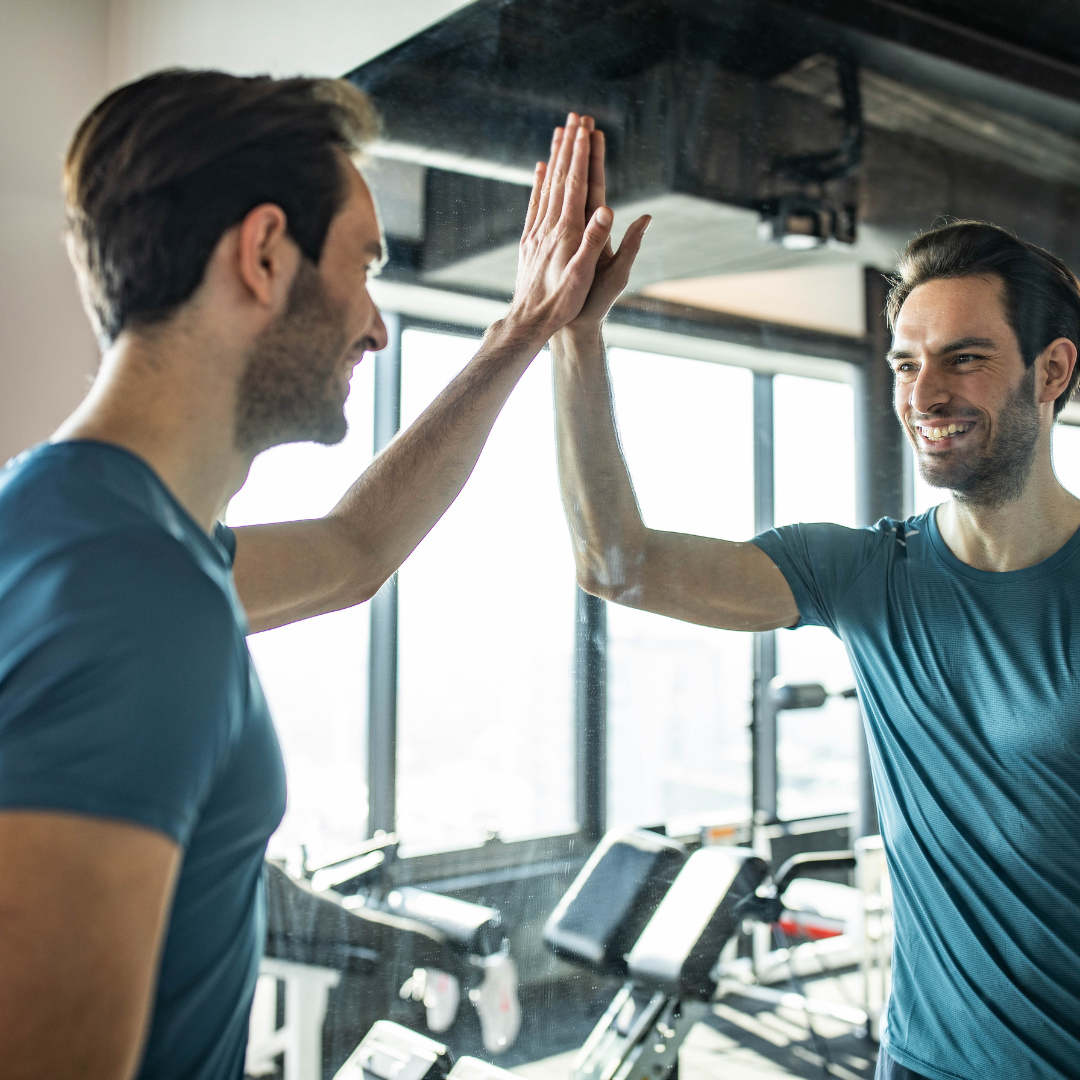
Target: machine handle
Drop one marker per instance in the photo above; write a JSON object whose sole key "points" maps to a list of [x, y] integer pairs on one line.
{"points": [[803, 865]]}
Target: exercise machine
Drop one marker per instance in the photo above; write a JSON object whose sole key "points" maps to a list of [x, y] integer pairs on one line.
{"points": [[472, 956], [342, 937], [392, 1052], [645, 908]]}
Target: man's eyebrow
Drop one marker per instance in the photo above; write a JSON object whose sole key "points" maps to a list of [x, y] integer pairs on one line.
{"points": [[969, 343], [953, 346]]}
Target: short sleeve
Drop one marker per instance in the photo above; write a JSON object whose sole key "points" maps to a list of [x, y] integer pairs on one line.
{"points": [[820, 562], [227, 539], [120, 684]]}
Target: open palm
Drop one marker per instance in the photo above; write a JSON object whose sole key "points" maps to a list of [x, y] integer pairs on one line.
{"points": [[612, 267]]}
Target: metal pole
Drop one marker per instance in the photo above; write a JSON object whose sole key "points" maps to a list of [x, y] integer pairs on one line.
{"points": [[590, 693], [879, 490], [763, 722], [383, 647]]}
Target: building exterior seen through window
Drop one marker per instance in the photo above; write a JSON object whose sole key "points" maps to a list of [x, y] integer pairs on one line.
{"points": [[814, 480], [486, 630], [679, 694], [314, 673]]}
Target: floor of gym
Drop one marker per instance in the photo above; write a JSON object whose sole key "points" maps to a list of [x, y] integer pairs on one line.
{"points": [[745, 1039]]}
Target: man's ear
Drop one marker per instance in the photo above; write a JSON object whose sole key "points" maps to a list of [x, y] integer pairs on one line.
{"points": [[1056, 362], [266, 255]]}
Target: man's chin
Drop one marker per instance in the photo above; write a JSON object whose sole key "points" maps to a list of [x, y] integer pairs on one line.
{"points": [[327, 430], [939, 474], [331, 438], [331, 431]]}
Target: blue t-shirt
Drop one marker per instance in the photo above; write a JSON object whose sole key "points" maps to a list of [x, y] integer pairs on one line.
{"points": [[127, 692], [970, 686]]}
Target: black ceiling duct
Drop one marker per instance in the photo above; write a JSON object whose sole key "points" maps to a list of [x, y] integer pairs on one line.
{"points": [[854, 114]]}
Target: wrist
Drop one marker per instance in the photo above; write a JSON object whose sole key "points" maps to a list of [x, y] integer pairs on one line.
{"points": [[511, 335], [579, 339]]}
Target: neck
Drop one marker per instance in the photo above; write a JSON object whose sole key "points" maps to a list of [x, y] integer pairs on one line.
{"points": [[1014, 534], [170, 399]]}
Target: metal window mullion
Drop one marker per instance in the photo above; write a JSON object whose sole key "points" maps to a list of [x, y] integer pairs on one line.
{"points": [[764, 769], [383, 642], [590, 709], [880, 479]]}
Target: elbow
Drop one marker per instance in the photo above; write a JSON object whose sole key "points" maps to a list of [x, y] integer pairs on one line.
{"points": [[354, 589], [609, 574], [589, 583], [365, 590]]}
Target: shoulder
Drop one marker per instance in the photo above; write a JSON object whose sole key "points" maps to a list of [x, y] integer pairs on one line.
{"points": [[79, 529], [822, 561], [126, 574], [126, 614], [827, 541]]}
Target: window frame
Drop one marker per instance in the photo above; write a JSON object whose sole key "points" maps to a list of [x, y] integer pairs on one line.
{"points": [[653, 326]]}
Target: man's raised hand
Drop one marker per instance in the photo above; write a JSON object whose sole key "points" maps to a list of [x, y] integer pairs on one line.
{"points": [[612, 267], [564, 236]]}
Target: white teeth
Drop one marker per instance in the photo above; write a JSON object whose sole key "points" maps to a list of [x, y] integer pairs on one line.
{"points": [[936, 434]]}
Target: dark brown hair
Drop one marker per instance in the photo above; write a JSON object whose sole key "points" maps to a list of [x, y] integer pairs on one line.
{"points": [[162, 167], [1041, 294]]}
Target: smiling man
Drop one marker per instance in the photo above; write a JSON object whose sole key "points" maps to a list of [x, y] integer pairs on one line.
{"points": [[223, 240], [959, 624]]}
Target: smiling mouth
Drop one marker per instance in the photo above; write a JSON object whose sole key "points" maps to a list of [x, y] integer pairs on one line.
{"points": [[940, 433]]}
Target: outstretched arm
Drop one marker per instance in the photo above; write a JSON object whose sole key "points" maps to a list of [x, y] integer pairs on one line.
{"points": [[298, 569], [695, 578]]}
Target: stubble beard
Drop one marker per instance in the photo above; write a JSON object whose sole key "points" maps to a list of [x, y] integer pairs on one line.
{"points": [[999, 472], [290, 391]]}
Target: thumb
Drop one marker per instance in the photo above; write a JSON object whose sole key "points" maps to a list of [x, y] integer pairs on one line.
{"points": [[620, 266], [631, 242], [597, 233]]}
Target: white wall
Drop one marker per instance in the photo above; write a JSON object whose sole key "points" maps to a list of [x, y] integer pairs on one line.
{"points": [[57, 57], [249, 37], [52, 69]]}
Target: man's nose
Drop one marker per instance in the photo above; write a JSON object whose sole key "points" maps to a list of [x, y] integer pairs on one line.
{"points": [[379, 336], [929, 391]]}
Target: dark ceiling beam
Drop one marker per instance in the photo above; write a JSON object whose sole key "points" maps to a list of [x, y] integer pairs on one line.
{"points": [[652, 314], [950, 40]]}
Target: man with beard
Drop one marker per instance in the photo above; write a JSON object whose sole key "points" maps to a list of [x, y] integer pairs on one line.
{"points": [[222, 238], [959, 625]]}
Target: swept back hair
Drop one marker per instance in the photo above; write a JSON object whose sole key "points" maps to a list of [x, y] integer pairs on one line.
{"points": [[162, 167]]}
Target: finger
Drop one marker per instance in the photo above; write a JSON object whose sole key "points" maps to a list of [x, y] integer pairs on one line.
{"points": [[545, 189], [597, 179], [577, 179], [534, 199], [597, 233], [561, 166]]}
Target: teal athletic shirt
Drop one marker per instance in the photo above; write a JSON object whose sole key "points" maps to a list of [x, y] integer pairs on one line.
{"points": [[970, 687], [127, 692]]}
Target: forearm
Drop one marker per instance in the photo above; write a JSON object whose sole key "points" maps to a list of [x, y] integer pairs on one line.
{"points": [[698, 579], [606, 528], [409, 486], [299, 569]]}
